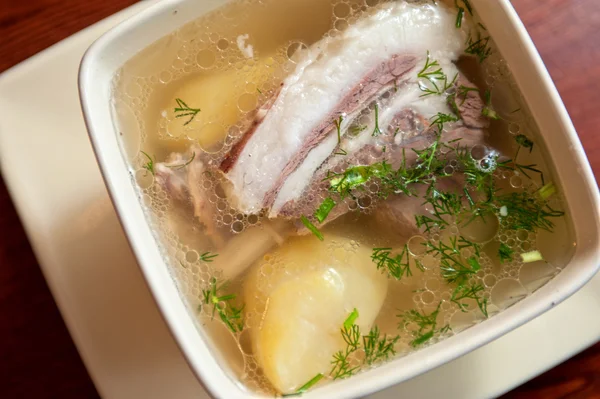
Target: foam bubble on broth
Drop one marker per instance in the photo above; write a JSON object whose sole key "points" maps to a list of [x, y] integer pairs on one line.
{"points": [[202, 64]]}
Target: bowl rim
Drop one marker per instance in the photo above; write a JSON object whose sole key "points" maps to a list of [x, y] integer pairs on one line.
{"points": [[194, 345]]}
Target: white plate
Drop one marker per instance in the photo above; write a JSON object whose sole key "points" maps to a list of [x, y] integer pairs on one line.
{"points": [[53, 177]]}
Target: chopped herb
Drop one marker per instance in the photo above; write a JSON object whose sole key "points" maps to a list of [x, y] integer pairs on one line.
{"points": [[149, 166], [312, 382], [480, 47], [185, 164], [230, 315], [488, 111], [463, 91], [355, 177], [312, 227], [208, 257], [459, 17], [433, 73], [481, 26], [326, 206], [376, 131], [505, 253], [341, 359], [341, 151], [528, 212], [378, 348], [443, 205], [426, 323], [441, 119], [523, 141], [470, 291], [356, 129], [258, 90], [397, 266], [183, 110], [455, 268], [547, 191], [349, 322], [531, 256]]}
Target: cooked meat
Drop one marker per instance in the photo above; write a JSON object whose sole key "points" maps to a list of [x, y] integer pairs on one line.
{"points": [[340, 76], [184, 183]]}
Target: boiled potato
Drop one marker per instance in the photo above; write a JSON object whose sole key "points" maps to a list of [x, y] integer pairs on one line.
{"points": [[298, 298]]}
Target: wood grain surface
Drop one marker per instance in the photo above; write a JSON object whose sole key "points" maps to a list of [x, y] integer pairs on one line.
{"points": [[37, 356]]}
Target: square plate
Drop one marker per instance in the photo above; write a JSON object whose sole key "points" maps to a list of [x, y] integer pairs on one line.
{"points": [[84, 254]]}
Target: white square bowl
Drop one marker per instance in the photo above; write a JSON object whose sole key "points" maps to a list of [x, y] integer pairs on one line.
{"points": [[111, 51]]}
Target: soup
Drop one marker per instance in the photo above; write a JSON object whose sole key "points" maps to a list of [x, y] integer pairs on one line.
{"points": [[336, 194]]}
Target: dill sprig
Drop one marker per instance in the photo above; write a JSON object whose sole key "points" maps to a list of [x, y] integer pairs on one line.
{"points": [[528, 211], [454, 267], [378, 348], [426, 324], [149, 166], [397, 266], [376, 130], [505, 253], [470, 291], [222, 305], [183, 110], [443, 205], [523, 141], [441, 119], [459, 17], [176, 167], [433, 73], [481, 48], [341, 359], [208, 257]]}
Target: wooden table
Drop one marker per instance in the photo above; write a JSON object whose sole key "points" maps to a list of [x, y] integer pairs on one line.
{"points": [[38, 358]]}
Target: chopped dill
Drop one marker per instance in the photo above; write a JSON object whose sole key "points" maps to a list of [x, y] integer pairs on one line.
{"points": [[376, 130], [523, 141], [441, 119], [176, 167], [453, 265], [459, 17], [426, 324], [313, 229], [505, 253], [397, 266], [378, 348], [304, 388], [527, 211], [258, 90], [341, 359], [323, 211], [463, 91], [470, 291], [183, 110], [149, 166], [208, 257], [341, 151], [222, 305], [433, 73], [443, 205], [480, 48]]}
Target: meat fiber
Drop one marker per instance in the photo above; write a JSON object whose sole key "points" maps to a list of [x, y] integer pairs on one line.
{"points": [[277, 157]]}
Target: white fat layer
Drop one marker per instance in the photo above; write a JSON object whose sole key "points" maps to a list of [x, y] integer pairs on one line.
{"points": [[332, 68], [297, 181]]}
